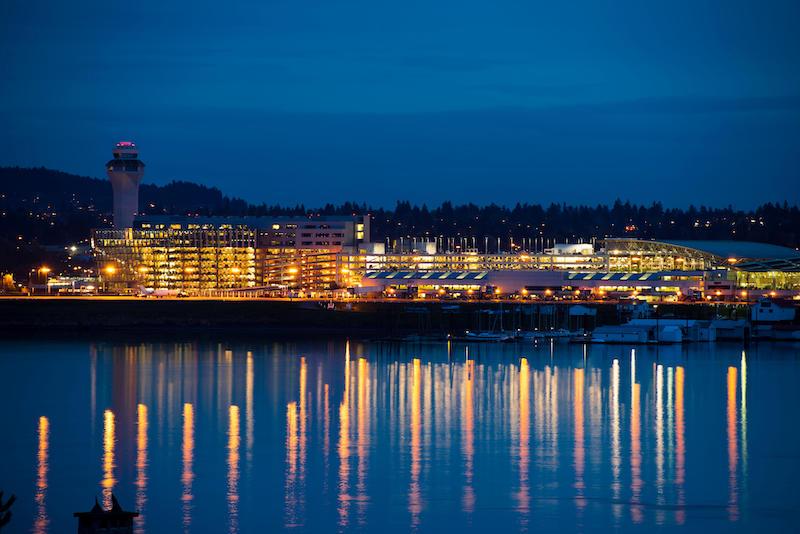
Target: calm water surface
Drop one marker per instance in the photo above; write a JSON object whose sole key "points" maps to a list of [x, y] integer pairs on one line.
{"points": [[243, 436]]}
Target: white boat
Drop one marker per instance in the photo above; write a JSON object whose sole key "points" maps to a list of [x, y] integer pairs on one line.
{"points": [[488, 336], [547, 334]]}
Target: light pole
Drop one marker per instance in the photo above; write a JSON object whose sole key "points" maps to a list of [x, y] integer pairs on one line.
{"points": [[109, 270], [43, 271], [655, 307]]}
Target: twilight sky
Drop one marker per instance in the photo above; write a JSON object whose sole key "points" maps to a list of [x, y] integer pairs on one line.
{"points": [[682, 101]]}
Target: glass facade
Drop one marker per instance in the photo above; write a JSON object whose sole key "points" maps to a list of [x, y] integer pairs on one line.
{"points": [[768, 280], [299, 270], [200, 255], [635, 256], [176, 258]]}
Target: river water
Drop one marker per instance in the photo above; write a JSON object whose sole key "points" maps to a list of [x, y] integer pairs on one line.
{"points": [[322, 435]]}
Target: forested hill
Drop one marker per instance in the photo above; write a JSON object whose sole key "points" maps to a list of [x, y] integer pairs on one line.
{"points": [[46, 207], [61, 190]]}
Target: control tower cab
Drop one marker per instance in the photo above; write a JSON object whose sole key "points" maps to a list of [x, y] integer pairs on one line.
{"points": [[125, 172]]}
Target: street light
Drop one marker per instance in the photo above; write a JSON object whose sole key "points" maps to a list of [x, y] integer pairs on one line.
{"points": [[109, 270], [42, 272]]}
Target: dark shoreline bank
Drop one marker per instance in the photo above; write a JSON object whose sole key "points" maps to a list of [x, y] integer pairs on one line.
{"points": [[31, 315]]}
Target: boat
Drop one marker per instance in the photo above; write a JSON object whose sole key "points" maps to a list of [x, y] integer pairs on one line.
{"points": [[548, 334], [487, 336]]}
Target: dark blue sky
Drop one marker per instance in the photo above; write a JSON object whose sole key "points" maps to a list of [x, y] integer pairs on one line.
{"points": [[579, 102]]}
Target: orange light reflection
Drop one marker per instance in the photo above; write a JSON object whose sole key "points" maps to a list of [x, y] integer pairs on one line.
{"points": [[42, 466], [414, 492], [290, 499], [109, 441], [616, 457], [468, 429], [141, 465], [363, 438], [680, 446], [579, 451], [733, 452], [187, 475], [344, 443], [523, 498], [233, 468]]}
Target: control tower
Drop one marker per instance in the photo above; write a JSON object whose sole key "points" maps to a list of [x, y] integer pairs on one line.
{"points": [[125, 172]]}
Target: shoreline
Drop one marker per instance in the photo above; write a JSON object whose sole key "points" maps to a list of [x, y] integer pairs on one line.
{"points": [[373, 318]]}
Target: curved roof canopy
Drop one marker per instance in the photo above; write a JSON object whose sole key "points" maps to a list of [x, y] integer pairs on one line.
{"points": [[741, 255], [739, 249]]}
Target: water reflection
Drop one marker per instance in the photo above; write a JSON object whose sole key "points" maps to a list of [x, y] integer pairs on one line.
{"points": [[616, 453], [301, 437], [659, 459], [344, 444], [109, 442], [291, 464], [250, 416], [521, 435], [233, 468], [42, 465], [733, 450], [523, 497], [187, 472], [296, 420], [141, 465], [414, 491], [579, 451], [468, 436], [326, 433], [680, 447], [362, 439], [636, 446], [743, 414]]}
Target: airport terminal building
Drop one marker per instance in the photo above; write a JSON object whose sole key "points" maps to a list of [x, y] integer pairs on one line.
{"points": [[711, 270], [314, 256], [320, 255]]}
